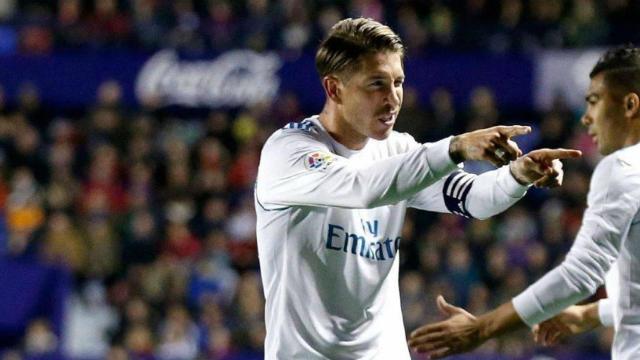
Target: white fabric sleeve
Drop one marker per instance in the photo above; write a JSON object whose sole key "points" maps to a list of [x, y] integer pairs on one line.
{"points": [[605, 311], [612, 204], [297, 169], [478, 196]]}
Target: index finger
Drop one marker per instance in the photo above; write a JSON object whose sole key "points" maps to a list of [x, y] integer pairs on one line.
{"points": [[514, 130], [550, 154]]}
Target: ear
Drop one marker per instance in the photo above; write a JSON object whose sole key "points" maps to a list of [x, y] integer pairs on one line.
{"points": [[332, 88], [631, 105]]}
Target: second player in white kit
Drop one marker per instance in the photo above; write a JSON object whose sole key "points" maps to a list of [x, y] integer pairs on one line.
{"points": [[609, 234]]}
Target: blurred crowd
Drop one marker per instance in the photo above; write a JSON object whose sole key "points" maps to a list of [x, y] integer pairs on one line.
{"points": [[196, 26], [154, 216]]}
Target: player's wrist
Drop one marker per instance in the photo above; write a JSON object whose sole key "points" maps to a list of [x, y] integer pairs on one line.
{"points": [[485, 330], [499, 321], [590, 315], [517, 173], [456, 149]]}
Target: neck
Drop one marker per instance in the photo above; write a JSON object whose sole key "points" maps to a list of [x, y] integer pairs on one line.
{"points": [[634, 134], [340, 130]]}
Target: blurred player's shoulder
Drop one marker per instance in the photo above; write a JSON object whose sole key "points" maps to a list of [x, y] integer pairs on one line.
{"points": [[306, 128], [304, 125], [628, 158], [302, 134], [618, 171]]}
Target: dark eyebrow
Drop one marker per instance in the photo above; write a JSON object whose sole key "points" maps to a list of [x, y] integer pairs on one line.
{"points": [[376, 77], [383, 77]]}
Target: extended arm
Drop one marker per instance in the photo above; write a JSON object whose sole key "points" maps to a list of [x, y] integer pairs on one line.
{"points": [[613, 204], [299, 170], [485, 195], [573, 320]]}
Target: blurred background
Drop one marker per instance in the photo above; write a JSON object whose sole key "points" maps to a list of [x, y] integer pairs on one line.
{"points": [[130, 133]]}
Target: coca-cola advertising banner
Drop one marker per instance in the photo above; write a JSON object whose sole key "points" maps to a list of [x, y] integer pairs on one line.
{"points": [[244, 77], [236, 78]]}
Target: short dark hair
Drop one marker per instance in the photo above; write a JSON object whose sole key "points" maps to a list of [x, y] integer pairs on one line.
{"points": [[351, 39], [621, 68]]}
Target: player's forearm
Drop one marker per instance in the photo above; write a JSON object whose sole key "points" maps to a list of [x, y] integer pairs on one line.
{"points": [[579, 275], [579, 318], [405, 175], [493, 192], [499, 321]]}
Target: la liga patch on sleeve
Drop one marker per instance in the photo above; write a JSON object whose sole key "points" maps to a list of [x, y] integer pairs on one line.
{"points": [[318, 160]]}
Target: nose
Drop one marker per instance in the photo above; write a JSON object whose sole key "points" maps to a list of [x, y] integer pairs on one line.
{"points": [[395, 97], [585, 119]]}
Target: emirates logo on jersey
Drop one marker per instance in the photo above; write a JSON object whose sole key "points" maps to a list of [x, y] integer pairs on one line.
{"points": [[318, 160], [366, 243]]}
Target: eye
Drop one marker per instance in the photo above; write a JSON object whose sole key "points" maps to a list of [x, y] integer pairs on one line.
{"points": [[377, 83], [398, 83], [591, 100]]}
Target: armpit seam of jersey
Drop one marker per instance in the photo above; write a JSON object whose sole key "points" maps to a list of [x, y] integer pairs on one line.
{"points": [[262, 206]]}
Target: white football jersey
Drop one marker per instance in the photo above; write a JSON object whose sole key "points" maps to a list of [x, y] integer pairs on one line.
{"points": [[610, 232], [606, 306], [329, 224]]}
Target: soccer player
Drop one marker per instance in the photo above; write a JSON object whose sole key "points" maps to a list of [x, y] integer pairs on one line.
{"points": [[332, 191], [610, 232]]}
